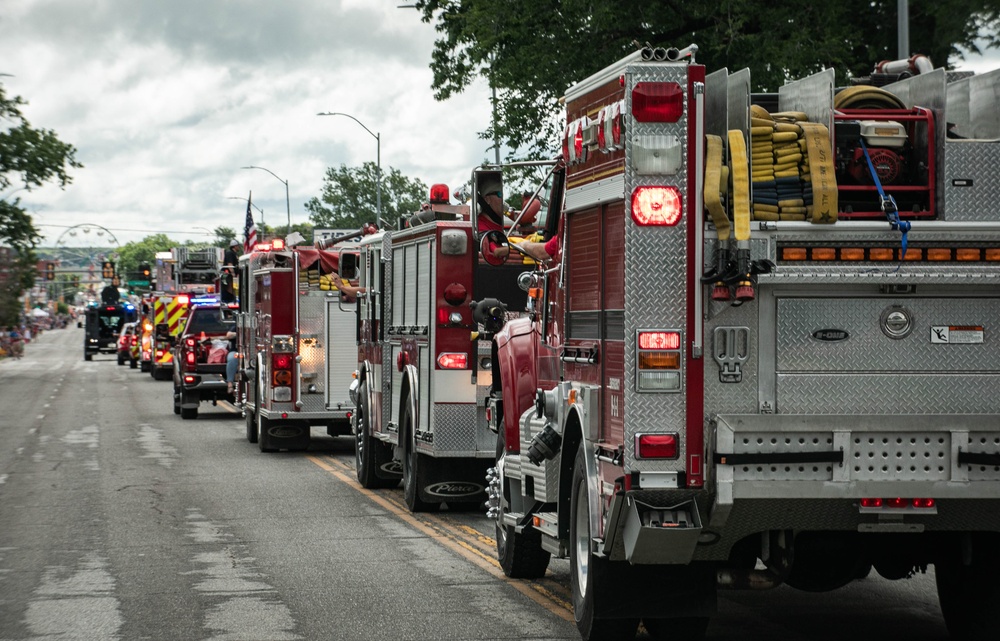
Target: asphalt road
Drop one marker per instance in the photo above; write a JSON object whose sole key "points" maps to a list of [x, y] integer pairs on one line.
{"points": [[119, 520]]}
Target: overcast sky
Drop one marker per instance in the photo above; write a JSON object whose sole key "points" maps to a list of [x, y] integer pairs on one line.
{"points": [[166, 100]]}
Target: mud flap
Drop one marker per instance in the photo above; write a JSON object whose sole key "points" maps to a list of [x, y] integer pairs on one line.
{"points": [[453, 479]]}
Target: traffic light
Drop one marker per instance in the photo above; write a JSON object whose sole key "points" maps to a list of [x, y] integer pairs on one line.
{"points": [[144, 271], [50, 271], [107, 270]]}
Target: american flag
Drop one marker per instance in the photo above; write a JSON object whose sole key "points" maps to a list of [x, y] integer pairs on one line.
{"points": [[249, 230]]}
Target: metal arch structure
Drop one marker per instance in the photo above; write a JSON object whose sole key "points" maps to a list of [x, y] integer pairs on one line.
{"points": [[87, 255]]}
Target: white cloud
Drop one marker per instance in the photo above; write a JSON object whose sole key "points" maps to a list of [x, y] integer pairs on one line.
{"points": [[166, 101]]}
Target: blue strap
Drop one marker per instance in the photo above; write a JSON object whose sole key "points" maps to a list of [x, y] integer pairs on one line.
{"points": [[889, 207]]}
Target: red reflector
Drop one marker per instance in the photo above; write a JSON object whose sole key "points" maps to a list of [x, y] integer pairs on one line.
{"points": [[452, 360], [439, 194], [871, 502], [659, 340], [656, 446], [657, 102], [925, 503], [284, 415], [656, 206], [897, 502], [455, 293], [109, 309], [282, 361]]}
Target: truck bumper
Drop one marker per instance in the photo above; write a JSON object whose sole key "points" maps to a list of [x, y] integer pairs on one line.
{"points": [[811, 473]]}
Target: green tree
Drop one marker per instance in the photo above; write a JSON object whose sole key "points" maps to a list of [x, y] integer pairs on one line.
{"points": [[531, 51], [225, 234], [29, 158], [349, 197], [135, 253]]}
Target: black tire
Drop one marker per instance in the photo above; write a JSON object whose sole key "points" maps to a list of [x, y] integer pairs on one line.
{"points": [[413, 478], [144, 366], [588, 586], [678, 629], [88, 357], [189, 413], [370, 454], [132, 364], [970, 594], [521, 555], [177, 399]]}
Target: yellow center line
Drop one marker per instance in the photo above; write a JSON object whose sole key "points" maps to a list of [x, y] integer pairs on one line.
{"points": [[537, 593]]}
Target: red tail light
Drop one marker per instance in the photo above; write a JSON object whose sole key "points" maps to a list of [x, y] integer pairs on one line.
{"points": [[660, 206], [189, 342], [190, 357], [659, 340], [452, 360], [656, 446], [657, 102], [282, 361]]}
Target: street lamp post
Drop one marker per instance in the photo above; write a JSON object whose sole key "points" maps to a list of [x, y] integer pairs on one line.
{"points": [[378, 158], [250, 202], [288, 206]]}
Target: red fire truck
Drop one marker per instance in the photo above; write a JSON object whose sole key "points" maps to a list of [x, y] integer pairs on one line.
{"points": [[296, 343], [421, 382], [761, 393]]}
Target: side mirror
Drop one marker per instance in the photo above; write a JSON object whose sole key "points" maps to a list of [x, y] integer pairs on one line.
{"points": [[494, 248]]}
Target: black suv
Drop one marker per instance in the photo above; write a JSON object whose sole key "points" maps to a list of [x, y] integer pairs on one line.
{"points": [[102, 325]]}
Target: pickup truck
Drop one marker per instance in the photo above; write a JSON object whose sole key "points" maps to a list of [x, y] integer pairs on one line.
{"points": [[195, 378]]}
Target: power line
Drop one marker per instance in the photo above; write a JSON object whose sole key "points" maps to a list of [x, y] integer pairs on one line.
{"points": [[149, 231]]}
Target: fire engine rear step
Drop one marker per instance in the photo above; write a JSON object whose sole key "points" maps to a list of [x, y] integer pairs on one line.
{"points": [[661, 534]]}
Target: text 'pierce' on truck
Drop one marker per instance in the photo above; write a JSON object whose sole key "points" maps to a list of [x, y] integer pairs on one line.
{"points": [[765, 351]]}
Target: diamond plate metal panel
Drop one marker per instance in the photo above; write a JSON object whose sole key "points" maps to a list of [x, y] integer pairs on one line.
{"points": [[972, 182], [885, 394], [868, 349], [655, 272], [454, 430], [731, 397]]}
